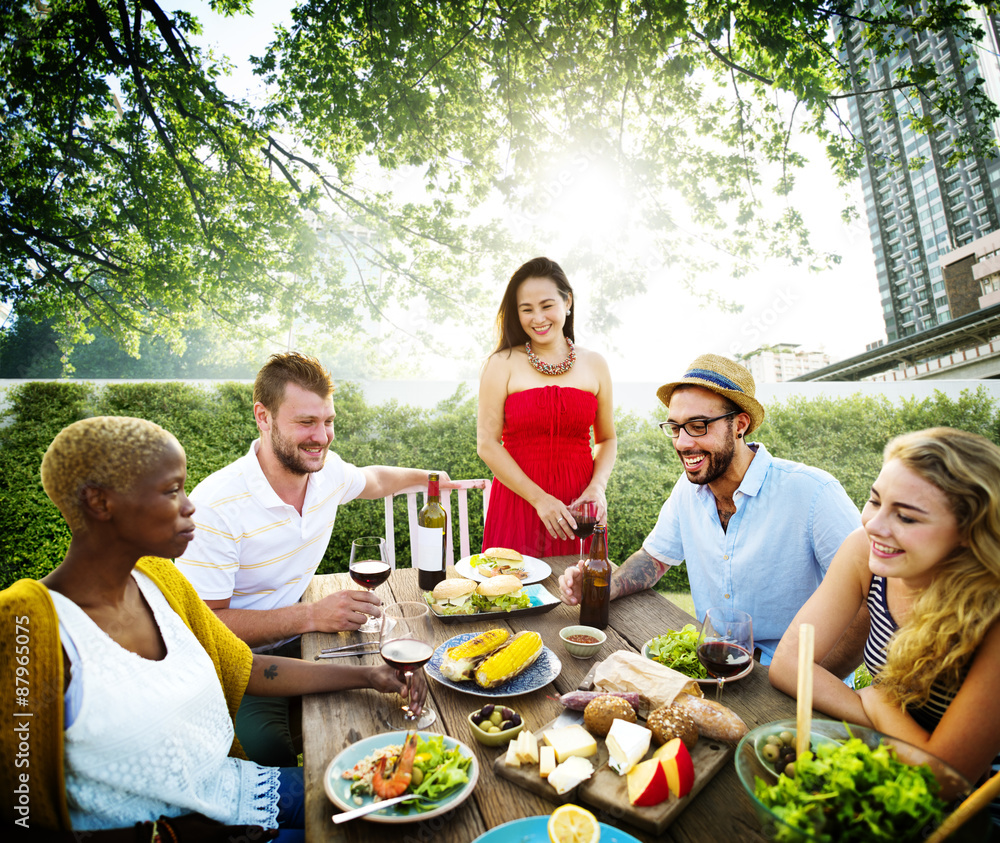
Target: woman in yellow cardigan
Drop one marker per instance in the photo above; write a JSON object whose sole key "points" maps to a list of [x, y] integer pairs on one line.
{"points": [[121, 682]]}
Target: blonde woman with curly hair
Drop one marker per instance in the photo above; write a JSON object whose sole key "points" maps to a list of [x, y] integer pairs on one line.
{"points": [[927, 562]]}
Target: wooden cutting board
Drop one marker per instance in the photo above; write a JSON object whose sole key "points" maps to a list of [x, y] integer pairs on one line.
{"points": [[608, 792]]}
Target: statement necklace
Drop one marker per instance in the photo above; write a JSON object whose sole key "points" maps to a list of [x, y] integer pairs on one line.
{"points": [[546, 368]]}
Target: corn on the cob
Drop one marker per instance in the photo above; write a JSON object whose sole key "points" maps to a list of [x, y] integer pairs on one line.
{"points": [[461, 660], [510, 660], [481, 645]]}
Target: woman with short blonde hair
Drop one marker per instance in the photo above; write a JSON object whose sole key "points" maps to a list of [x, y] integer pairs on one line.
{"points": [[134, 680]]}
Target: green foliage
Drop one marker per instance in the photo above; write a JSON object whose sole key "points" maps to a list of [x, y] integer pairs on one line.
{"points": [[215, 425], [138, 198], [31, 350], [862, 678], [846, 436], [35, 537]]}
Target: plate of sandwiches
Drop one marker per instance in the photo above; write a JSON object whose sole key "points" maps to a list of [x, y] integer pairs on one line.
{"points": [[497, 561], [458, 600]]}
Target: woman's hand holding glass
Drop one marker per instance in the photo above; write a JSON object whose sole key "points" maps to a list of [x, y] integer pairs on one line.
{"points": [[556, 517], [406, 645]]}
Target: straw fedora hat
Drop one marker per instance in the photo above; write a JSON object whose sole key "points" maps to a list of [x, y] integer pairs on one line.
{"points": [[724, 377]]}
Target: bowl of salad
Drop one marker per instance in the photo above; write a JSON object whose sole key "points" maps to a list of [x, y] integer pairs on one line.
{"points": [[678, 650], [857, 784]]}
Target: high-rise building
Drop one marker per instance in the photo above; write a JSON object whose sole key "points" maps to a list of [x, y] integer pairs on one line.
{"points": [[919, 208], [783, 362]]}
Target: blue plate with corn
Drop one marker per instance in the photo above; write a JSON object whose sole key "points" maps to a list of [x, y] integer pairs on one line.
{"points": [[494, 663]]}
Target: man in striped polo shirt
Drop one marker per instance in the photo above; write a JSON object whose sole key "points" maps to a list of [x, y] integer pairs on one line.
{"points": [[263, 524]]}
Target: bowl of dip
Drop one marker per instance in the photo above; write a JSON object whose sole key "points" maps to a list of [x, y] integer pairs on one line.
{"points": [[582, 642]]}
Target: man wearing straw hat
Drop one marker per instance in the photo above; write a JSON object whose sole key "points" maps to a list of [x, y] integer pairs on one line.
{"points": [[757, 533]]}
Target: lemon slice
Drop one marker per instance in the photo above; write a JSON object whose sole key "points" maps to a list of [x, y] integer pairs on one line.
{"points": [[572, 824]]}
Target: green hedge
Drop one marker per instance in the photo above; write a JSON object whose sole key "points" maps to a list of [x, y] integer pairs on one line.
{"points": [[215, 426]]}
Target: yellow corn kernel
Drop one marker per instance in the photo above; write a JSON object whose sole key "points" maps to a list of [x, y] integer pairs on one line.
{"points": [[481, 645], [509, 661]]}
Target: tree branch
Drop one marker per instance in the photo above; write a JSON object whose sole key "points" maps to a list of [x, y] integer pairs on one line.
{"points": [[728, 62]]}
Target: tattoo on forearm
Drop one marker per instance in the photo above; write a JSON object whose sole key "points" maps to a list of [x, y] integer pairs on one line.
{"points": [[638, 572], [271, 671]]}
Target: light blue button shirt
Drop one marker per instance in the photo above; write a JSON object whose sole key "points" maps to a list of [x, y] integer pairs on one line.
{"points": [[790, 520]]}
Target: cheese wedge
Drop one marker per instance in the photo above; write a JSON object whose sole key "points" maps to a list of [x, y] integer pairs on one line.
{"points": [[511, 759], [570, 773], [546, 761], [627, 744], [527, 748], [571, 741]]}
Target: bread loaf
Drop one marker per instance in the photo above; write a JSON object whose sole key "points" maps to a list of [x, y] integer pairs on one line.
{"points": [[713, 719]]}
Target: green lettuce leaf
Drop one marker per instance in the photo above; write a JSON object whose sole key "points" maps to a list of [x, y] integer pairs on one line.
{"points": [[852, 792], [503, 603], [679, 651]]}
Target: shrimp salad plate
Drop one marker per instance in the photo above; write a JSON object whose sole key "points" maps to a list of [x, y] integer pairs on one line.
{"points": [[448, 772]]}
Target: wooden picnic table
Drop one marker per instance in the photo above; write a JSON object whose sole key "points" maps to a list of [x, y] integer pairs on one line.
{"points": [[331, 722]]}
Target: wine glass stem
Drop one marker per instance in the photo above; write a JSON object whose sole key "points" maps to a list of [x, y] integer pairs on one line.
{"points": [[718, 688], [408, 714]]}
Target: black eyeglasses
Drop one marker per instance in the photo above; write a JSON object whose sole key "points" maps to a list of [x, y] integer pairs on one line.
{"points": [[695, 427]]}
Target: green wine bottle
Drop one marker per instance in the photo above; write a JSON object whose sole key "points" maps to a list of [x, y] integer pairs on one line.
{"points": [[432, 537]]}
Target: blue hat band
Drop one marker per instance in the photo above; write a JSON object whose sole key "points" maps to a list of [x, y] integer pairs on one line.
{"points": [[714, 378]]}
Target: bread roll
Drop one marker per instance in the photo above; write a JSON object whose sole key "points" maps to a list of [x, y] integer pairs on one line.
{"points": [[602, 711], [669, 722]]}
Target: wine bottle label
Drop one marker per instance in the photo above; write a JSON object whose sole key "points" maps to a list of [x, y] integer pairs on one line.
{"points": [[430, 548]]}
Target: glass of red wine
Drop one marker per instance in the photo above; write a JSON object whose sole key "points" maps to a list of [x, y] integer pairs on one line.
{"points": [[369, 568], [585, 515], [725, 645], [407, 644]]}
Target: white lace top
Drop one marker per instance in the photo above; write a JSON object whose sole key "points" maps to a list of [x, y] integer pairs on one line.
{"points": [[152, 738]]}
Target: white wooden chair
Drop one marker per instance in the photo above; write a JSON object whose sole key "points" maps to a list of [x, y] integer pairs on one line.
{"points": [[411, 510]]}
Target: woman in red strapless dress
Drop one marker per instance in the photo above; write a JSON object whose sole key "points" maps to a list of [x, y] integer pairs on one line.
{"points": [[539, 397]]}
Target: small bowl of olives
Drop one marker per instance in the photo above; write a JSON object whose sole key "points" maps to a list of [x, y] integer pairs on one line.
{"points": [[776, 751], [495, 725]]}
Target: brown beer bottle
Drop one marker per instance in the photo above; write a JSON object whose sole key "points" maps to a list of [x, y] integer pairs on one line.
{"points": [[596, 600]]}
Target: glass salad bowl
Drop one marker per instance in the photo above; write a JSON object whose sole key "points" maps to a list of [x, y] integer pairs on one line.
{"points": [[897, 800]]}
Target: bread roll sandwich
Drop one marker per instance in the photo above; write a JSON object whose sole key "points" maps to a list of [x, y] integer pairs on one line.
{"points": [[501, 594], [497, 561], [452, 597]]}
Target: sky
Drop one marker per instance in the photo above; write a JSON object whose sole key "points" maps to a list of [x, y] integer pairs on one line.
{"points": [[837, 311]]}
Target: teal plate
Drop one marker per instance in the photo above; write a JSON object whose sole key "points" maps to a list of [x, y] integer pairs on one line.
{"points": [[338, 788], [536, 830], [541, 601]]}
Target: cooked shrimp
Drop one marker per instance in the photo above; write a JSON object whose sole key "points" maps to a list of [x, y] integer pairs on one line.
{"points": [[400, 780]]}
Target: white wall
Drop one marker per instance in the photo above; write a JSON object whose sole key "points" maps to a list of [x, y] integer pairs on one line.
{"points": [[641, 397]]}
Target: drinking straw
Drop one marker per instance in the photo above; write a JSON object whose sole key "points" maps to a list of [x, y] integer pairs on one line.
{"points": [[975, 802], [804, 694]]}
